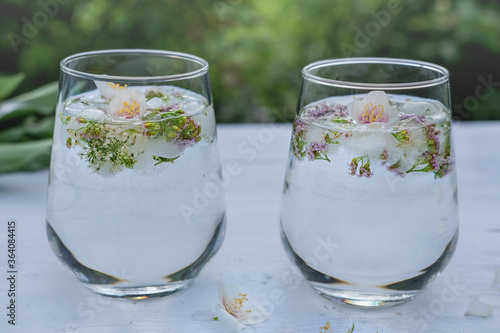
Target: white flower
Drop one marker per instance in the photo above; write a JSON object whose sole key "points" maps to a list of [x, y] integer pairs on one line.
{"points": [[124, 102], [129, 103], [373, 108], [234, 310], [109, 90]]}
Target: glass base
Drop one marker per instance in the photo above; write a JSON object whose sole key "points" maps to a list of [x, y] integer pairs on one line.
{"points": [[139, 292], [108, 285], [384, 298], [347, 292]]}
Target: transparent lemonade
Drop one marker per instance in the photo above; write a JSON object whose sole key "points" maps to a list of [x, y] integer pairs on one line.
{"points": [[370, 197], [126, 165]]}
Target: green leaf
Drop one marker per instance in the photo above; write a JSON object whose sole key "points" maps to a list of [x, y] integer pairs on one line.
{"points": [[25, 156], [41, 100], [42, 128], [160, 159], [13, 134], [10, 83], [330, 140], [30, 127], [339, 120], [172, 114], [131, 131], [402, 136]]}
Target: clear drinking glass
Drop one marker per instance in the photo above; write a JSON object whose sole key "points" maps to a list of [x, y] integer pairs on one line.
{"points": [[369, 211], [135, 203]]}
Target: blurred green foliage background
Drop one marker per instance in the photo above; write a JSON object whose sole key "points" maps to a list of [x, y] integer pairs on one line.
{"points": [[256, 49]]}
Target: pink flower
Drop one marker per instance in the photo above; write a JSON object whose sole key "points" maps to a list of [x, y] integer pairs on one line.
{"points": [[317, 150]]}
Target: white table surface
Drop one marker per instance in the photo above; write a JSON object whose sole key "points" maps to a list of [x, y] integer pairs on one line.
{"points": [[50, 299]]}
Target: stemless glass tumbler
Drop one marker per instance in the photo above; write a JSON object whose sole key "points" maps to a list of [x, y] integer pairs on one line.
{"points": [[369, 211], [135, 203]]}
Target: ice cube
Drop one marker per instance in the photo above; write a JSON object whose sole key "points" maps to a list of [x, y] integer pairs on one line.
{"points": [[372, 144], [191, 107], [423, 108], [92, 114], [315, 134], [75, 108], [155, 102], [146, 148]]}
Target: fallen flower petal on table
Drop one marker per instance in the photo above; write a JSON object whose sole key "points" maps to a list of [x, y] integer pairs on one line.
{"points": [[234, 310], [478, 308], [328, 328]]}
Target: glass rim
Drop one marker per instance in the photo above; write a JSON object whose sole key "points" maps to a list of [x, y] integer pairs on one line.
{"points": [[307, 75], [164, 78]]}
